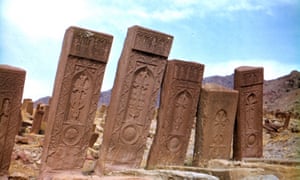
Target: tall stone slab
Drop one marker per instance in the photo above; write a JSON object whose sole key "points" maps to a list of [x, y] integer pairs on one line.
{"points": [[215, 124], [27, 106], [178, 107], [248, 127], [74, 101], [140, 71], [11, 91], [45, 108], [37, 119]]}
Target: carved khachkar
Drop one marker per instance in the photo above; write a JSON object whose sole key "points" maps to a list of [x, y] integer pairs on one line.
{"points": [[11, 91], [75, 96], [215, 123], [138, 79], [178, 106], [248, 127]]}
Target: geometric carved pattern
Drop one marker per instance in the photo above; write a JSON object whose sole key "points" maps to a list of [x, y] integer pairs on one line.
{"points": [[11, 91], [179, 98], [215, 123], [74, 100], [134, 94], [248, 134]]}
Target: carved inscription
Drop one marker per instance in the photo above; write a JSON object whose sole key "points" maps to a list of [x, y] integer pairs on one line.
{"points": [[248, 135], [179, 99], [153, 42], [11, 90], [188, 73], [74, 101], [133, 99], [90, 45]]}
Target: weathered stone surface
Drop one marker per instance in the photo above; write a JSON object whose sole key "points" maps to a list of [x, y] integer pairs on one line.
{"points": [[248, 127], [178, 105], [27, 106], [45, 108], [75, 96], [215, 123], [37, 119], [166, 174], [11, 91], [138, 79]]}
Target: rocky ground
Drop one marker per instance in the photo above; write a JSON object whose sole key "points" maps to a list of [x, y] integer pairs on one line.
{"points": [[281, 146]]}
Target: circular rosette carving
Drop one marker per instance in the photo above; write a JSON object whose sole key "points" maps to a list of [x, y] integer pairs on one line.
{"points": [[71, 135], [129, 134], [251, 140], [174, 144]]}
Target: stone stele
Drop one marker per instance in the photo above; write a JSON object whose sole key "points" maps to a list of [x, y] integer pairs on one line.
{"points": [[139, 75], [178, 106], [11, 90], [75, 96], [248, 127], [27, 106], [215, 123], [37, 119]]}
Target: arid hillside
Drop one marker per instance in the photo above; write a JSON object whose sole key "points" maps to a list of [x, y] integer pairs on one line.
{"points": [[283, 93]]}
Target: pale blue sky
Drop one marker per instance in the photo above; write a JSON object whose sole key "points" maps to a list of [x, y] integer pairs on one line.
{"points": [[222, 34]]}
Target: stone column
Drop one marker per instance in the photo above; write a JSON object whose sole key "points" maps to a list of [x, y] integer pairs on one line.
{"points": [[45, 108], [37, 119], [215, 124], [248, 128], [178, 106], [74, 101], [11, 91], [27, 106], [138, 80]]}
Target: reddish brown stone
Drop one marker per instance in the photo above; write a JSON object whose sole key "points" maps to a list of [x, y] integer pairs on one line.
{"points": [[37, 119], [138, 79], [75, 96], [27, 106], [11, 91], [215, 123], [45, 108], [248, 131], [179, 100]]}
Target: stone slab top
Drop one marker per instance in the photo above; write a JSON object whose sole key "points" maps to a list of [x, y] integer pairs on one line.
{"points": [[246, 68], [151, 41], [92, 32], [217, 88], [89, 44], [248, 76], [11, 68]]}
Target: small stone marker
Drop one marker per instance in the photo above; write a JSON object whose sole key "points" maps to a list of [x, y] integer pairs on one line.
{"points": [[138, 80], [75, 96], [215, 124], [178, 106], [248, 131], [27, 106], [37, 119], [11, 91], [45, 108]]}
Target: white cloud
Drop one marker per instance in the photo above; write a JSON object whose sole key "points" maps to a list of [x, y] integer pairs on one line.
{"points": [[44, 19], [272, 68], [50, 18], [36, 89]]}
